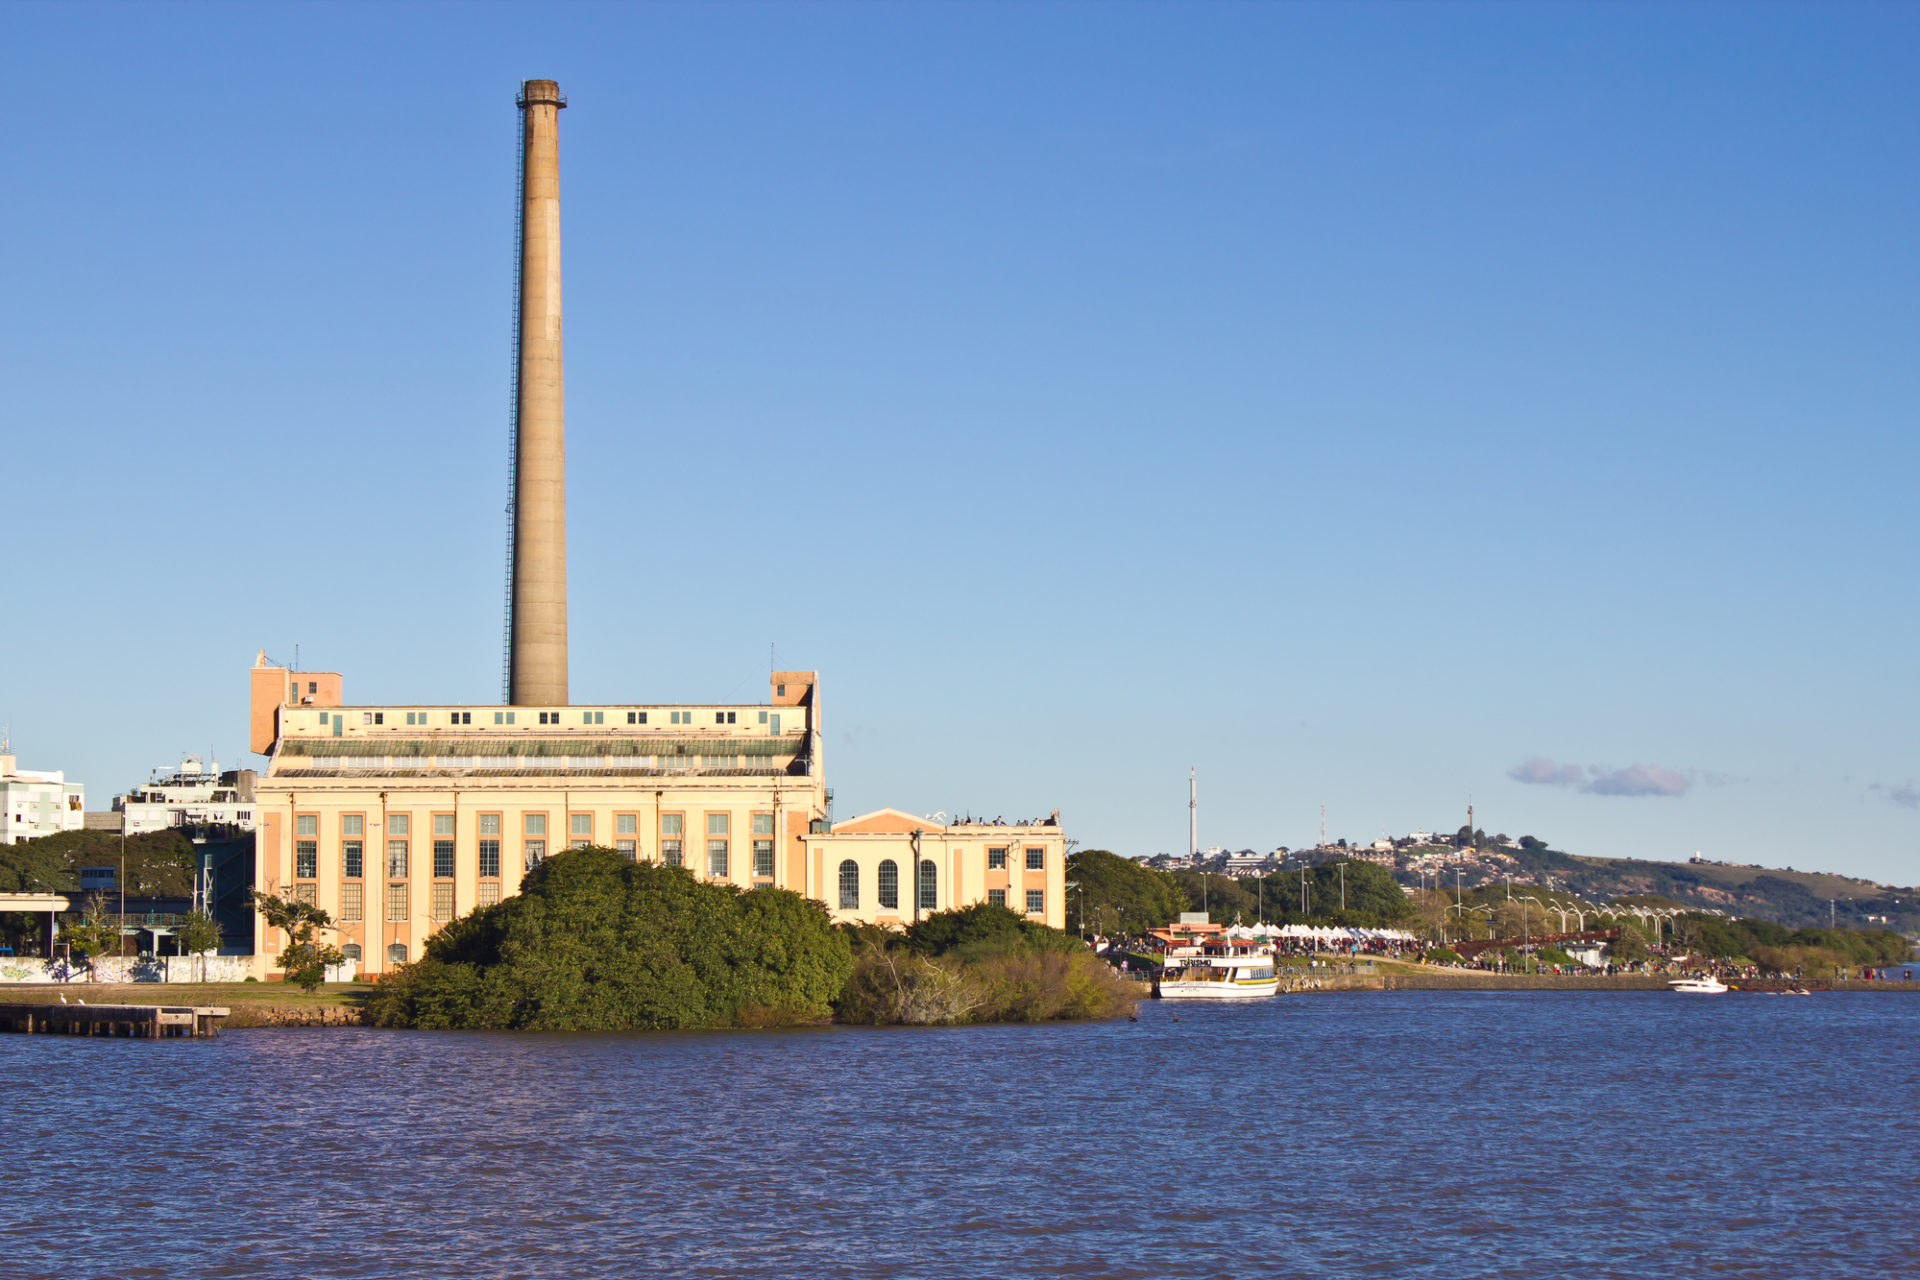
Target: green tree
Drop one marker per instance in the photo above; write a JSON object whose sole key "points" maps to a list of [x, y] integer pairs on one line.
{"points": [[1630, 946], [197, 935], [305, 959], [1223, 898], [596, 942], [96, 933], [1112, 894]]}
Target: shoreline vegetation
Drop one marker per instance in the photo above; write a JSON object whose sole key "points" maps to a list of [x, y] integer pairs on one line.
{"points": [[596, 942]]}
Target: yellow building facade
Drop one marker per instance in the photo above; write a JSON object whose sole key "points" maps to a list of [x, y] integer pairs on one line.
{"points": [[399, 819], [891, 867]]}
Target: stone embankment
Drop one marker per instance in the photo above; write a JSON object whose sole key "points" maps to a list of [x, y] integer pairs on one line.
{"points": [[278, 1016]]}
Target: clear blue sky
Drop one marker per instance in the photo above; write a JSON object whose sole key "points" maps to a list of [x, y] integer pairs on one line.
{"points": [[1369, 405]]}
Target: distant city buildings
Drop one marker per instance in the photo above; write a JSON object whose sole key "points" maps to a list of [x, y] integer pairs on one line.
{"points": [[192, 796], [37, 802]]}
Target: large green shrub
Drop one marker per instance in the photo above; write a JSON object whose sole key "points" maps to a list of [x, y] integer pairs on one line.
{"points": [[982, 963], [595, 942]]}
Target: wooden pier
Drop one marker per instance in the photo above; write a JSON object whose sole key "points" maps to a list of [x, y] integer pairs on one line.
{"points": [[140, 1021]]}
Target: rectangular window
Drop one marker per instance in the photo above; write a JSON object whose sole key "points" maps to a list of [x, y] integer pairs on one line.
{"points": [[533, 853], [397, 859], [1036, 859], [306, 859], [763, 717], [580, 824], [353, 824], [443, 824], [626, 824], [465, 717], [489, 858], [351, 859], [716, 824], [997, 897], [489, 893], [676, 717], [307, 824], [489, 824], [396, 903], [442, 902], [396, 824], [628, 849], [305, 893], [536, 825], [763, 859], [670, 852], [717, 859], [443, 859], [313, 686], [409, 717], [996, 859], [763, 824], [351, 908], [379, 717], [672, 826], [1036, 902]]}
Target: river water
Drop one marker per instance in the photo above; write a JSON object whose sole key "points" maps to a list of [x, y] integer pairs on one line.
{"points": [[1359, 1134]]}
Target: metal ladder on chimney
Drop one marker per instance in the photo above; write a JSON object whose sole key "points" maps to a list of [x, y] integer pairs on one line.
{"points": [[513, 395]]}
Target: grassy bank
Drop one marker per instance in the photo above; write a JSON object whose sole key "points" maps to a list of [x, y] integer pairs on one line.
{"points": [[253, 1004]]}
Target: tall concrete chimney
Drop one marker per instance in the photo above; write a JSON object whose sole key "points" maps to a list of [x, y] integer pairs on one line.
{"points": [[537, 663]]}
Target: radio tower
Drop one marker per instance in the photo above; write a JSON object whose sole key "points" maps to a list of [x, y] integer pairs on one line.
{"points": [[1193, 817]]}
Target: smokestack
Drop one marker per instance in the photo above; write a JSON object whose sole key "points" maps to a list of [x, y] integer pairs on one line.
{"points": [[537, 663]]}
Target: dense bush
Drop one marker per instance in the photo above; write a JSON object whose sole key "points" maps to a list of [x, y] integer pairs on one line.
{"points": [[982, 963], [594, 942]]}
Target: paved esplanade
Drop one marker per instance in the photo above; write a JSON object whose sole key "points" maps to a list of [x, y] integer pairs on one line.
{"points": [[537, 670]]}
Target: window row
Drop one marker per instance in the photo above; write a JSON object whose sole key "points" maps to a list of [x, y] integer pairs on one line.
{"points": [[1036, 858], [306, 857], [887, 888]]}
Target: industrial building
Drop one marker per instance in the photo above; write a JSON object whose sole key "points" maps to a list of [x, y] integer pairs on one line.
{"points": [[399, 819]]}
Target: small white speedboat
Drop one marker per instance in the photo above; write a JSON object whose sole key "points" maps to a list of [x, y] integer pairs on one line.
{"points": [[1697, 986]]}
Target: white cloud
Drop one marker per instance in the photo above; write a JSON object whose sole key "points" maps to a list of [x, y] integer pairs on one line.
{"points": [[1599, 780]]}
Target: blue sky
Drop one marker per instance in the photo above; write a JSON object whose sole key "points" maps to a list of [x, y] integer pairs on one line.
{"points": [[1369, 405]]}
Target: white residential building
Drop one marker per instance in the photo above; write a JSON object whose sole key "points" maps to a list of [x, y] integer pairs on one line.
{"points": [[193, 795], [37, 802]]}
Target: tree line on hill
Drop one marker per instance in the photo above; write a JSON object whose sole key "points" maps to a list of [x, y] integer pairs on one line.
{"points": [[1115, 895]]}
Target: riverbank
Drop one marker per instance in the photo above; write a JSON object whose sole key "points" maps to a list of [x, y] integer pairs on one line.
{"points": [[277, 1005], [253, 1004]]}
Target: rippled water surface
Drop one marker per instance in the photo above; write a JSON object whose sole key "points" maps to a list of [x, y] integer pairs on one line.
{"points": [[1393, 1134]]}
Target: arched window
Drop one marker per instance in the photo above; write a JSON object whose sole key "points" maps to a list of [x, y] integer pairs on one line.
{"points": [[889, 885], [849, 885], [397, 953], [351, 951], [929, 885]]}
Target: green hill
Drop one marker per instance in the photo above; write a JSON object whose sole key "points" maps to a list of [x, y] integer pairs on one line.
{"points": [[1789, 897]]}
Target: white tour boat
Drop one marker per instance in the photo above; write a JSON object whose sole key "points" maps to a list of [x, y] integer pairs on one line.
{"points": [[1225, 970], [1697, 986]]}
